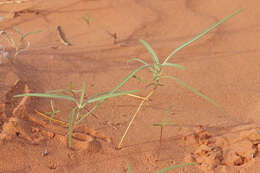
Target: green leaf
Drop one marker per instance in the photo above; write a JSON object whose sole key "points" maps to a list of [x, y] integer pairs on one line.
{"points": [[82, 95], [29, 33], [69, 91], [139, 60], [92, 110], [129, 76], [70, 125], [99, 94], [18, 31], [160, 125], [200, 35], [165, 123], [174, 167], [166, 114], [104, 97], [157, 68], [129, 168], [52, 113], [22, 36], [173, 65], [57, 91], [168, 123], [53, 109], [195, 91], [54, 96], [151, 51], [86, 18]]}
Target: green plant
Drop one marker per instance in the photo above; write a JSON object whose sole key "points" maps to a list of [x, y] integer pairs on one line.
{"points": [[53, 111], [19, 45], [86, 18], [80, 103], [165, 169], [163, 124], [157, 70]]}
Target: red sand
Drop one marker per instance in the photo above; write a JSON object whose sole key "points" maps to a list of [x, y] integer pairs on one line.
{"points": [[223, 65]]}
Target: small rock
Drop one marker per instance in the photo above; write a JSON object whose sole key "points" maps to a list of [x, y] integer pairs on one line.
{"points": [[231, 158], [245, 148]]}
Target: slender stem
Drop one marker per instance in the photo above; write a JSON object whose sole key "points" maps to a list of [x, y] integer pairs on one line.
{"points": [[136, 96], [159, 152], [132, 120]]}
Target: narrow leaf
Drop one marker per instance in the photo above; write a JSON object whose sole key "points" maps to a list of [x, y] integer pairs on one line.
{"points": [[129, 168], [151, 51], [29, 33], [52, 107], [160, 125], [195, 91], [92, 110], [139, 60], [57, 91], [70, 125], [63, 91], [18, 31], [174, 167], [200, 35], [129, 76], [82, 94], [55, 96], [99, 94], [70, 88], [166, 114], [169, 123], [52, 113], [104, 97], [173, 65]]}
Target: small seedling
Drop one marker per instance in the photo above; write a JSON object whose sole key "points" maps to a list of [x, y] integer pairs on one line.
{"points": [[165, 169], [157, 70], [19, 45], [162, 125], [86, 18], [80, 104], [129, 168]]}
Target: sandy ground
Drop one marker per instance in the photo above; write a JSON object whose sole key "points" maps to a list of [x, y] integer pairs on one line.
{"points": [[224, 65]]}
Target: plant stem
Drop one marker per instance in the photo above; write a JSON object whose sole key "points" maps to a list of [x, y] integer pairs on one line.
{"points": [[139, 97], [132, 120], [159, 151]]}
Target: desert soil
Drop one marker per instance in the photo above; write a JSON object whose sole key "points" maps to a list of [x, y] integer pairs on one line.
{"points": [[224, 65]]}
